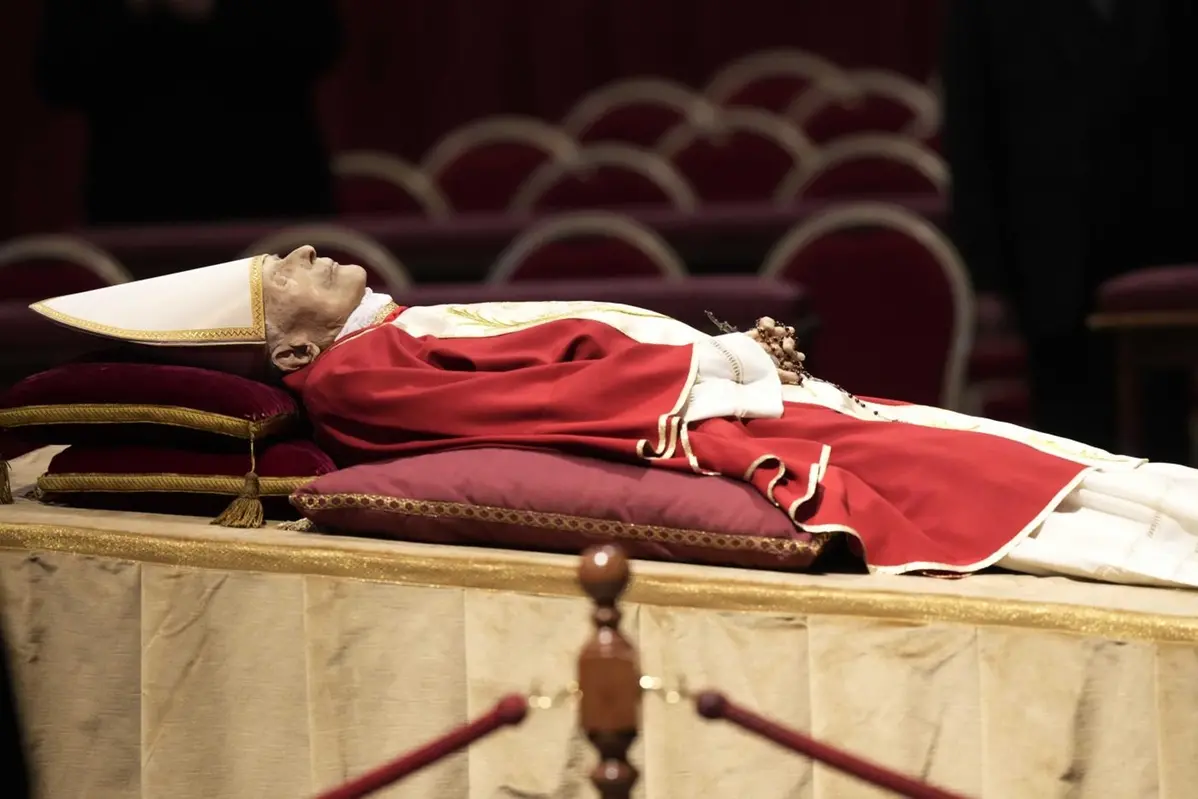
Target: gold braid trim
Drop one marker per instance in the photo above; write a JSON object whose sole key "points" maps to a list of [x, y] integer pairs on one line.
{"points": [[779, 547], [383, 313], [724, 590], [172, 415], [78, 482]]}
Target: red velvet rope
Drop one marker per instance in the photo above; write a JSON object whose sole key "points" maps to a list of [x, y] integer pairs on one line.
{"points": [[508, 711], [714, 705]]}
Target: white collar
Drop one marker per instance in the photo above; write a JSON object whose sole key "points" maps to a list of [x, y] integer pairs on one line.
{"points": [[366, 313]]}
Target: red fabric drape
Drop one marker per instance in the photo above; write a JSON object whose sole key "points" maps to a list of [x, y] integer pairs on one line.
{"points": [[417, 68]]}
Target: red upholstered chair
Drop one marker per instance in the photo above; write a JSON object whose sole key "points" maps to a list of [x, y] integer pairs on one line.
{"points": [[745, 156], [479, 166], [585, 245], [637, 112], [895, 304], [873, 101], [868, 164], [605, 176], [377, 183], [773, 80], [343, 245], [36, 267], [1153, 315]]}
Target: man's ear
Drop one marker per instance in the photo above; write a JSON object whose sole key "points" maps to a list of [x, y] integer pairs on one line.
{"points": [[289, 356]]}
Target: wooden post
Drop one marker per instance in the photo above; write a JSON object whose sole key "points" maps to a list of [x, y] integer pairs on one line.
{"points": [[609, 675]]}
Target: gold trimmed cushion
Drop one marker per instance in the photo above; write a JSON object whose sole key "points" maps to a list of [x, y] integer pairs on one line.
{"points": [[90, 402], [527, 499], [168, 480]]}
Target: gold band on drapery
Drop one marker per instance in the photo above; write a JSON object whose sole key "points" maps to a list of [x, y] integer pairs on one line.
{"points": [[449, 567]]}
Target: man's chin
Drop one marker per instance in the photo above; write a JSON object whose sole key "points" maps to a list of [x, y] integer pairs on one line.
{"points": [[354, 275]]}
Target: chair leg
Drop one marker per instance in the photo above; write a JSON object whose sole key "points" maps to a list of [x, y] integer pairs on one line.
{"points": [[1128, 395]]}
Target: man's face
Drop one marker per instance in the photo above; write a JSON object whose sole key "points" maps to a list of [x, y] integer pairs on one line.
{"points": [[307, 301]]}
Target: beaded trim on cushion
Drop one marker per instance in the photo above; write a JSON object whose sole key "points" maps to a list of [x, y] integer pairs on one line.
{"points": [[175, 416], [781, 547], [80, 482]]}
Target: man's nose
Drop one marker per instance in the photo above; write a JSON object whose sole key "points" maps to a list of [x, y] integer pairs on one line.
{"points": [[305, 254]]}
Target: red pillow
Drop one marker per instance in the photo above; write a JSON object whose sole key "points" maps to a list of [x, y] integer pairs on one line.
{"points": [[165, 480], [528, 499], [103, 402]]}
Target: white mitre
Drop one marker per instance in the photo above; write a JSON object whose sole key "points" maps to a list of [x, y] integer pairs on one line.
{"points": [[213, 305]]}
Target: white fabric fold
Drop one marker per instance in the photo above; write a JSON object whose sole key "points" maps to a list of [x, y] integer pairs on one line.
{"points": [[364, 315]]}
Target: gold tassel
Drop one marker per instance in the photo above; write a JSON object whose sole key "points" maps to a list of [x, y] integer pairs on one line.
{"points": [[246, 510], [5, 485], [298, 526]]}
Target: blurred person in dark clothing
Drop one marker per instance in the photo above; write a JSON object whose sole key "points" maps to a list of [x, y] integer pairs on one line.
{"points": [[194, 107], [1071, 141]]}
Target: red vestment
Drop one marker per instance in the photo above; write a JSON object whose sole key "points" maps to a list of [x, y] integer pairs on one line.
{"points": [[916, 497]]}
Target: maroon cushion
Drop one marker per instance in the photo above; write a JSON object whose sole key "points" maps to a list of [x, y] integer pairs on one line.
{"points": [[117, 401], [527, 499], [737, 299], [886, 312], [1163, 288], [169, 480]]}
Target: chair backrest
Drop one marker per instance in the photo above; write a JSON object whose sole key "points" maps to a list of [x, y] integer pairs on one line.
{"points": [[895, 303], [872, 101], [868, 164], [605, 176], [479, 166], [744, 156], [593, 244], [638, 111], [773, 80], [343, 245], [36, 267], [370, 182]]}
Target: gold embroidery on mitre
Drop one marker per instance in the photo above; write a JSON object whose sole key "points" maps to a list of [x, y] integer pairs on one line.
{"points": [[778, 547], [173, 416], [255, 333]]}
